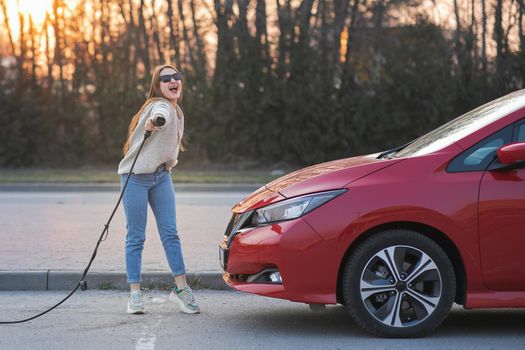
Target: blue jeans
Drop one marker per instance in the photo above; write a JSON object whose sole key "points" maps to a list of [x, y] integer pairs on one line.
{"points": [[157, 189]]}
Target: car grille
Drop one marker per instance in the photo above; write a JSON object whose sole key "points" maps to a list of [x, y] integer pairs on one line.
{"points": [[233, 221], [237, 222]]}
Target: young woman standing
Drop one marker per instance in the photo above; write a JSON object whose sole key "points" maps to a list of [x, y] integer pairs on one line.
{"points": [[151, 183]]}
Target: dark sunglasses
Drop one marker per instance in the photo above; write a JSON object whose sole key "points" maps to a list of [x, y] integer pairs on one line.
{"points": [[167, 78]]}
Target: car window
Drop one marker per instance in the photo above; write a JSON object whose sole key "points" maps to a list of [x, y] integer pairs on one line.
{"points": [[521, 133], [464, 125], [479, 156], [483, 152]]}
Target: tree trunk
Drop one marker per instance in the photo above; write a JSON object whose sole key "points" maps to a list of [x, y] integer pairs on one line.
{"points": [[241, 26], [48, 56], [22, 40], [286, 30], [351, 28], [498, 36], [457, 34], [521, 4], [156, 34], [188, 49], [33, 34], [58, 49], [348, 76], [201, 54], [472, 30], [341, 13], [145, 40], [225, 52], [8, 27], [484, 39], [304, 14], [300, 46], [379, 12], [174, 36], [104, 30], [261, 33], [128, 41]]}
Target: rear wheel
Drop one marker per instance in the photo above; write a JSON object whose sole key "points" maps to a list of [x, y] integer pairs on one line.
{"points": [[399, 283]]}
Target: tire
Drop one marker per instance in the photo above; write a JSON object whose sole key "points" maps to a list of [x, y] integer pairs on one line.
{"points": [[411, 301]]}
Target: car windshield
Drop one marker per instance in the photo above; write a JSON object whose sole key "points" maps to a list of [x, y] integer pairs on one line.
{"points": [[464, 125]]}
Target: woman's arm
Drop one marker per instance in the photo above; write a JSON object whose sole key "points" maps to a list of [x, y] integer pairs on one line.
{"points": [[160, 109]]}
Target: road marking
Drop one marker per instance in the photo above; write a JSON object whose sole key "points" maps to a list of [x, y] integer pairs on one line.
{"points": [[147, 339], [147, 342]]}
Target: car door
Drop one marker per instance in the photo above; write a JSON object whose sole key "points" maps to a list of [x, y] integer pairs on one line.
{"points": [[502, 224]]}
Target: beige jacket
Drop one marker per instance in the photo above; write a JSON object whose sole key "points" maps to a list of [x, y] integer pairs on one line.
{"points": [[163, 144]]}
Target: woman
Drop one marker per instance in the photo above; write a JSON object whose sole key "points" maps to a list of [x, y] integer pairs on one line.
{"points": [[151, 182]]}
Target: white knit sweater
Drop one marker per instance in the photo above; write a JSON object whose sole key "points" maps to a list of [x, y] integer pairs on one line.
{"points": [[163, 144]]}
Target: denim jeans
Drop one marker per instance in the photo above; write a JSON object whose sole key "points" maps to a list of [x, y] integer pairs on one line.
{"points": [[157, 189]]}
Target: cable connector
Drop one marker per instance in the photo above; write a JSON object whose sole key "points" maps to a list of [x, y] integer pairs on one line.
{"points": [[83, 285]]}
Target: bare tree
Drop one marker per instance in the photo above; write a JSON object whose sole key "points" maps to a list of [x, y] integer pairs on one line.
{"points": [[22, 41], [173, 35], [187, 44], [201, 54], [48, 55], [284, 13], [347, 78], [261, 33], [58, 57], [144, 45], [8, 27], [33, 36], [499, 38], [156, 34], [521, 9], [225, 48], [484, 38]]}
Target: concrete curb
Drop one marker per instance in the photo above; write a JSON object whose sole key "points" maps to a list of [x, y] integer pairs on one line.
{"points": [[33, 280], [115, 187]]}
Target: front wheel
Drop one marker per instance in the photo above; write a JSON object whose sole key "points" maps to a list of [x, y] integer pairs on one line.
{"points": [[399, 283]]}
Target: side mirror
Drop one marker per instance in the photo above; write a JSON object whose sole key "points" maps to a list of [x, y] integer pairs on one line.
{"points": [[512, 154]]}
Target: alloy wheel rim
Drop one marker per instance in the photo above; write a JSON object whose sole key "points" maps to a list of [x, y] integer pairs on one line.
{"points": [[400, 286]]}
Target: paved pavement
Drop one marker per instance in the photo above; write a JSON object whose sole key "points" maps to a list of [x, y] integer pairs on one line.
{"points": [[229, 320], [52, 234]]}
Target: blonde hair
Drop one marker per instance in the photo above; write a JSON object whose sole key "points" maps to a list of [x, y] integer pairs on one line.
{"points": [[154, 94]]}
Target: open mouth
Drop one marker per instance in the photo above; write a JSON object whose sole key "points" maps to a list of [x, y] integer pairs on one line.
{"points": [[174, 88]]}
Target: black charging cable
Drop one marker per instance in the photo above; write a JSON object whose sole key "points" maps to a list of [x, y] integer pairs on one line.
{"points": [[158, 121]]}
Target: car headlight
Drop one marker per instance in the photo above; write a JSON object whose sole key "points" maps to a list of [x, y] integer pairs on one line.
{"points": [[293, 208]]}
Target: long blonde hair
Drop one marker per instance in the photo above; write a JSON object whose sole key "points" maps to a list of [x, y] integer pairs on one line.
{"points": [[154, 94]]}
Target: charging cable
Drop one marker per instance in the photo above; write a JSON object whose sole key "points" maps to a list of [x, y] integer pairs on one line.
{"points": [[82, 283]]}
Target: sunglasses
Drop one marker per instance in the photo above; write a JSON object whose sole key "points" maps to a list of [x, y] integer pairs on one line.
{"points": [[167, 78]]}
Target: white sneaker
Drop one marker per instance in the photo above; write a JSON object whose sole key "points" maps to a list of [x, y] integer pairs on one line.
{"points": [[184, 297], [135, 303]]}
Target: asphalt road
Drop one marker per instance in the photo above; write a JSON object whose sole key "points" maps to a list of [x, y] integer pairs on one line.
{"points": [[229, 320], [58, 230]]}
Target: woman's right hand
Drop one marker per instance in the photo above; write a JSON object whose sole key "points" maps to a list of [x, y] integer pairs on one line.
{"points": [[149, 125]]}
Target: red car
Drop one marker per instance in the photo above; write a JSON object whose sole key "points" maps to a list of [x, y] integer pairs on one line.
{"points": [[398, 236]]}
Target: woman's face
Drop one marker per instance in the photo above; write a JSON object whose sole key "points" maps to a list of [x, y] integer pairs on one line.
{"points": [[169, 86]]}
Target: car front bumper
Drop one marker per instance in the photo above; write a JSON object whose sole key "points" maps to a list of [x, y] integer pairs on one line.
{"points": [[293, 248]]}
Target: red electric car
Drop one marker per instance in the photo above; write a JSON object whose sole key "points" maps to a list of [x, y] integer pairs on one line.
{"points": [[397, 236]]}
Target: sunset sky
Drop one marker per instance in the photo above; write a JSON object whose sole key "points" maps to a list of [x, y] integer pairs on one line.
{"points": [[440, 12], [37, 10]]}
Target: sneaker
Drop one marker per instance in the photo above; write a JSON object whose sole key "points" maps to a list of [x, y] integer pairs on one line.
{"points": [[184, 297], [135, 303]]}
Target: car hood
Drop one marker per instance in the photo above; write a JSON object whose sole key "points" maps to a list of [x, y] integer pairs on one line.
{"points": [[321, 177], [328, 176]]}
